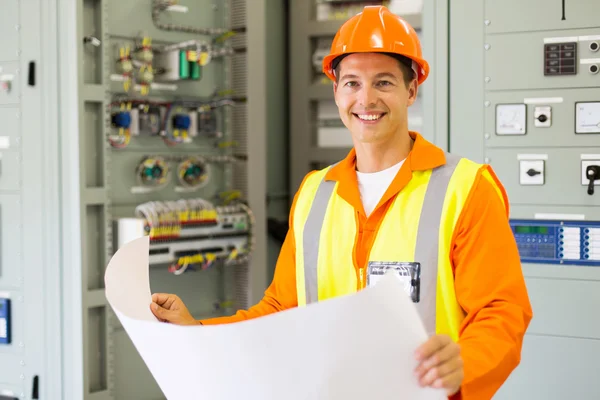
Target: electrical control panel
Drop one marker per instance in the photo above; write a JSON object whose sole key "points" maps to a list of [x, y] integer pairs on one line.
{"points": [[524, 98], [158, 127], [558, 242], [541, 113], [166, 153]]}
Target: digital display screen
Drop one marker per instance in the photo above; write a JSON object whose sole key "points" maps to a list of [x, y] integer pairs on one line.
{"points": [[541, 230]]}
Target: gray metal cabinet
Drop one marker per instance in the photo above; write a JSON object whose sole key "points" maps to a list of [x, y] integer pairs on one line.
{"points": [[30, 363]]}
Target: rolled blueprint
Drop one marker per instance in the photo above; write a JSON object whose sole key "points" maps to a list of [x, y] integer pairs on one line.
{"points": [[354, 347]]}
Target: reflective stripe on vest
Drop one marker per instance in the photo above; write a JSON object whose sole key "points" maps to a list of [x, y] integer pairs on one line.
{"points": [[418, 226]]}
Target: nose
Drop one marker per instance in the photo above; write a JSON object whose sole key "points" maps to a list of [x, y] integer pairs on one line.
{"points": [[367, 96]]}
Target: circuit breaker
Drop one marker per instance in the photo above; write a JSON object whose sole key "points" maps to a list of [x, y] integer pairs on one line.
{"points": [[526, 77]]}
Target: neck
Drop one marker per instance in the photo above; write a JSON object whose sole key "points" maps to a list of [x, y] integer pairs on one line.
{"points": [[375, 157]]}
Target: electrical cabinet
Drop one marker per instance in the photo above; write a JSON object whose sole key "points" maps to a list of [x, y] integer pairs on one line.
{"points": [[524, 89], [168, 95], [30, 313], [155, 103]]}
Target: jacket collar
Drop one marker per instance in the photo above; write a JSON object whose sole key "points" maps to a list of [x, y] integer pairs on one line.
{"points": [[423, 156]]}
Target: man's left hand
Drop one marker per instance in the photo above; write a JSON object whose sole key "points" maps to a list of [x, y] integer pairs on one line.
{"points": [[440, 364]]}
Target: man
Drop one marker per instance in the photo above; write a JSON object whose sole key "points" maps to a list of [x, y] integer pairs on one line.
{"points": [[399, 202]]}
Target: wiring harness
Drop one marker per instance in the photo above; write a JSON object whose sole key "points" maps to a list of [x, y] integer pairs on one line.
{"points": [[166, 221]]}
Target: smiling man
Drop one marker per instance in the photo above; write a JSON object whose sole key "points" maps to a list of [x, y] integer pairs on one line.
{"points": [[397, 202]]}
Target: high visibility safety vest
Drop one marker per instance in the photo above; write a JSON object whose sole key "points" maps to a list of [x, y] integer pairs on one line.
{"points": [[418, 227]]}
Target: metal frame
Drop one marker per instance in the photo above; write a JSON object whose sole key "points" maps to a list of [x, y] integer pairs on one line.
{"points": [[51, 383], [300, 84], [71, 271], [436, 89], [257, 145]]}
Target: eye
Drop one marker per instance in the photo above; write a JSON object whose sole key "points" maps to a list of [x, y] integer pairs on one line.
{"points": [[351, 83], [384, 83]]}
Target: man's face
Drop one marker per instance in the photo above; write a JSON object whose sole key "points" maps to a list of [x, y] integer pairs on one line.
{"points": [[372, 97]]}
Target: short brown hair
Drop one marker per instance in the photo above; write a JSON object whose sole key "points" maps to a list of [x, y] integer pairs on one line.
{"points": [[405, 64]]}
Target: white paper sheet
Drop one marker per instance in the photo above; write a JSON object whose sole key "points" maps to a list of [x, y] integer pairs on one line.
{"points": [[354, 347]]}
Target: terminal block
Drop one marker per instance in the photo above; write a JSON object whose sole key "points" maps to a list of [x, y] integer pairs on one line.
{"points": [[189, 233]]}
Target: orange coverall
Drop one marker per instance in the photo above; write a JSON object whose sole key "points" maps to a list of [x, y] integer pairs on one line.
{"points": [[488, 278]]}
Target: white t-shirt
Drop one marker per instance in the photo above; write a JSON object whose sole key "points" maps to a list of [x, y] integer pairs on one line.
{"points": [[373, 185]]}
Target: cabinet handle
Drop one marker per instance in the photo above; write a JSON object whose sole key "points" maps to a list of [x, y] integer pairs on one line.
{"points": [[35, 394], [31, 74]]}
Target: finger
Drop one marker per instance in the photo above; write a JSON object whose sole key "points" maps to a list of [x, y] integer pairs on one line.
{"points": [[450, 382], [431, 346], [160, 298], [443, 355], [165, 300], [163, 313], [441, 371]]}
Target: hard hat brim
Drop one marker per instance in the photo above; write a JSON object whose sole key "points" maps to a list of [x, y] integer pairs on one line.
{"points": [[329, 67]]}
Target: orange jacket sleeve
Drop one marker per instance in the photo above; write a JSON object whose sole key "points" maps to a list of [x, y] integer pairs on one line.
{"points": [[281, 294], [490, 288]]}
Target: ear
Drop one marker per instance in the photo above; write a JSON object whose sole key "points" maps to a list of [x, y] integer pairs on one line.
{"points": [[335, 86], [413, 90]]}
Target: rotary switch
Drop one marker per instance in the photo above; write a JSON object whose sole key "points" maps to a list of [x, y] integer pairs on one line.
{"points": [[543, 116], [592, 172], [533, 172]]}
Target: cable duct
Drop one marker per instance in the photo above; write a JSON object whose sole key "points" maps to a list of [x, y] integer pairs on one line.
{"points": [[162, 5]]}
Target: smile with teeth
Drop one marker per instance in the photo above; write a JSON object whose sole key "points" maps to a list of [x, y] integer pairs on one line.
{"points": [[369, 117]]}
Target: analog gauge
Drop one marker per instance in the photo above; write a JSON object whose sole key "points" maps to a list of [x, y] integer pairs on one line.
{"points": [[511, 119]]}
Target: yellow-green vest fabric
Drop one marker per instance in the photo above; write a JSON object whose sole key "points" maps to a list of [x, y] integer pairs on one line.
{"points": [[418, 227]]}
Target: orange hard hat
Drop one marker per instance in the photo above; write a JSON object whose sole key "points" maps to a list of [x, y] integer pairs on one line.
{"points": [[377, 30]]}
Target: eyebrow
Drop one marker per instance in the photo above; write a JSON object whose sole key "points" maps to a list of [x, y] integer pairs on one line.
{"points": [[379, 75]]}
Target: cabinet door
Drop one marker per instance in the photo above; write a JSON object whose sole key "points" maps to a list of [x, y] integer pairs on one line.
{"points": [[26, 267]]}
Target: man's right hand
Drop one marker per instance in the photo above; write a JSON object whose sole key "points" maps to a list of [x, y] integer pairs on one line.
{"points": [[170, 308]]}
